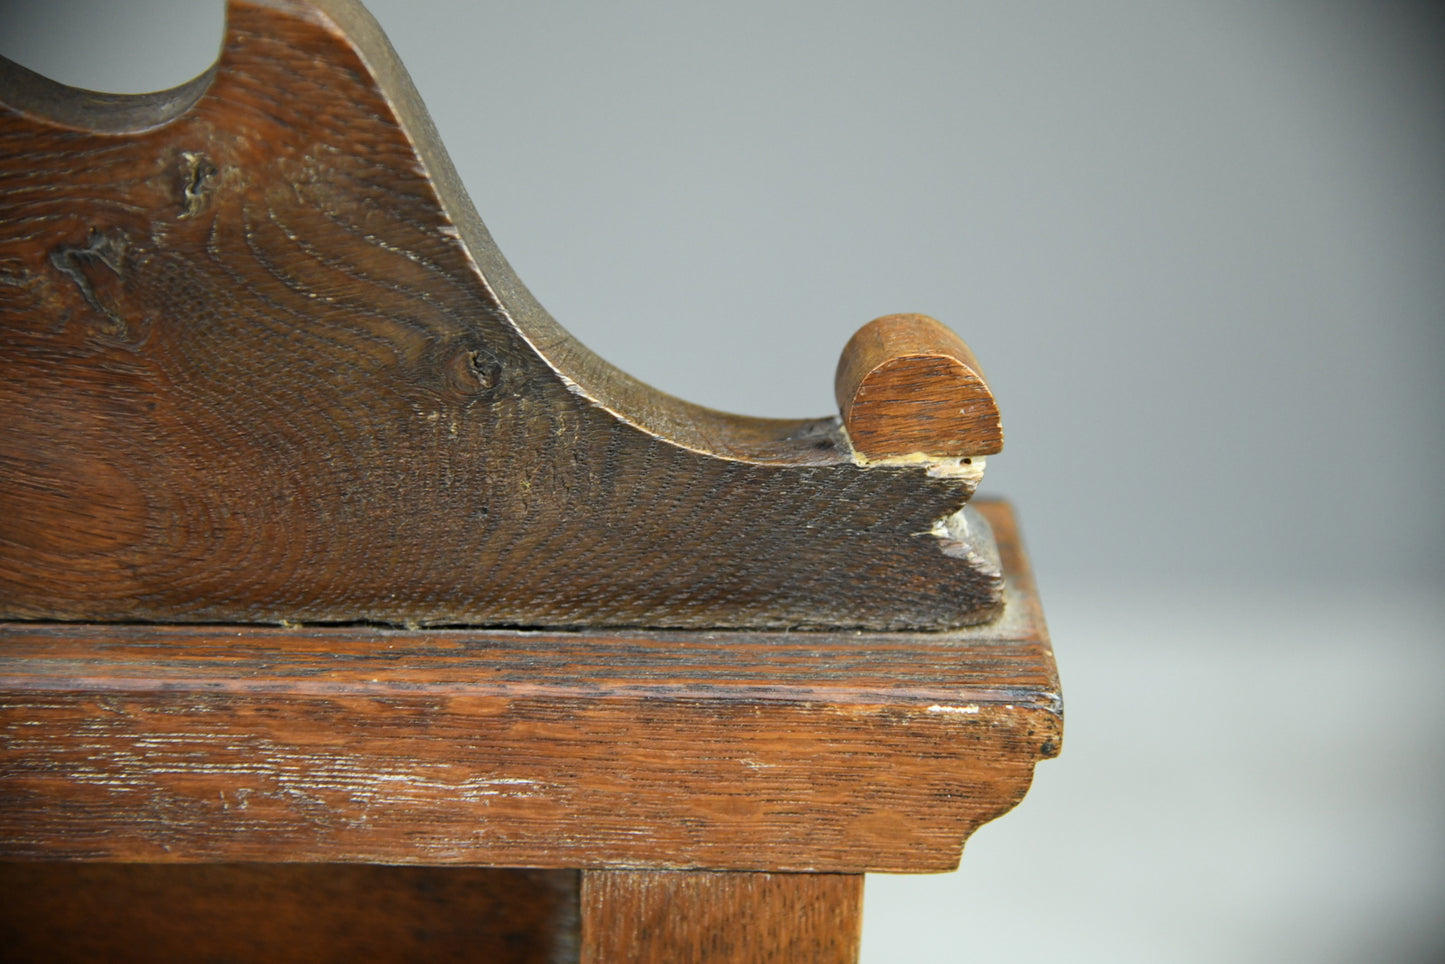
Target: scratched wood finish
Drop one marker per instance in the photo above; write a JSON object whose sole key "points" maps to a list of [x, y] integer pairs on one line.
{"points": [[263, 363], [909, 386], [844, 752], [279, 913], [647, 917]]}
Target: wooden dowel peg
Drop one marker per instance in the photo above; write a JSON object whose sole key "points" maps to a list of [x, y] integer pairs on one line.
{"points": [[908, 386]]}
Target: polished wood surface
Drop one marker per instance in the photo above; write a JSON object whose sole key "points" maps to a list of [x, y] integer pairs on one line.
{"points": [[908, 387], [56, 913], [842, 752], [721, 918], [263, 363]]}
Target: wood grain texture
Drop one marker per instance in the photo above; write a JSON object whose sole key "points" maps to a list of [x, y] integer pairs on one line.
{"points": [[263, 363], [843, 752], [908, 386], [283, 913], [663, 917]]}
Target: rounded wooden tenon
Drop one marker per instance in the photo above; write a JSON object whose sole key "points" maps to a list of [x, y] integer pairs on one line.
{"points": [[908, 386]]}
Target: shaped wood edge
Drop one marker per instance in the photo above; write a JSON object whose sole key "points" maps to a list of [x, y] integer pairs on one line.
{"points": [[343, 33], [265, 365], [905, 383]]}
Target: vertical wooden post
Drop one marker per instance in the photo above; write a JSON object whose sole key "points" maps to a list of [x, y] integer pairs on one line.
{"points": [[672, 917]]}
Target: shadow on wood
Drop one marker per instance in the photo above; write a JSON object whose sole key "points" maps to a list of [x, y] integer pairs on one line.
{"points": [[264, 913]]}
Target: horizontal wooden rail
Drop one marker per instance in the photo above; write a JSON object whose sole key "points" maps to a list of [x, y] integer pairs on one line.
{"points": [[843, 752]]}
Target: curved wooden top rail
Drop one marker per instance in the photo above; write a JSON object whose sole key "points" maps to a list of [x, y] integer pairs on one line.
{"points": [[264, 363]]}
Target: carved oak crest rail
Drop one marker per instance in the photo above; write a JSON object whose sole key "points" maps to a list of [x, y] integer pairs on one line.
{"points": [[263, 362]]}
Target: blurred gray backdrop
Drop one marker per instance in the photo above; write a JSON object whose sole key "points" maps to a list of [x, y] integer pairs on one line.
{"points": [[1199, 248]]}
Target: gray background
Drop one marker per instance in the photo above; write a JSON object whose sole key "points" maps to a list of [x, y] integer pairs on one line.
{"points": [[1199, 248]]}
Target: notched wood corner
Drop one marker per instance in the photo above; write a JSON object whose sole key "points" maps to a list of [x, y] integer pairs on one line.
{"points": [[963, 534]]}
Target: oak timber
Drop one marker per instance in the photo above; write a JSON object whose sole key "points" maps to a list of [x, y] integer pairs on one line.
{"points": [[263, 363], [651, 917]]}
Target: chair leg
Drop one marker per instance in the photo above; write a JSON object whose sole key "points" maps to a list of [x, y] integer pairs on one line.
{"points": [[707, 916]]}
